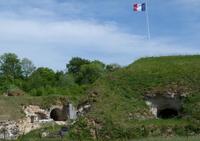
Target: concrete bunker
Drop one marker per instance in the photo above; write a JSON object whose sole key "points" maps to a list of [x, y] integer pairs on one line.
{"points": [[165, 107], [64, 113]]}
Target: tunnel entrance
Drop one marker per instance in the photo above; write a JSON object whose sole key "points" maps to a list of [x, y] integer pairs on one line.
{"points": [[58, 115], [167, 113], [164, 107]]}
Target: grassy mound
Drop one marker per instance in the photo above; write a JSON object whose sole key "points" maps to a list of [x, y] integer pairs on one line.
{"points": [[53, 136], [119, 109]]}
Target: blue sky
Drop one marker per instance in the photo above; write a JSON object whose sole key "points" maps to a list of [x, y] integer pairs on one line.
{"points": [[51, 32]]}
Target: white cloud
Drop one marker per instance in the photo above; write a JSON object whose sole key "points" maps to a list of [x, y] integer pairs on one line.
{"points": [[52, 44], [39, 9]]}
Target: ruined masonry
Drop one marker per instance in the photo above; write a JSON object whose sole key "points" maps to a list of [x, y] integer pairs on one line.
{"points": [[34, 118]]}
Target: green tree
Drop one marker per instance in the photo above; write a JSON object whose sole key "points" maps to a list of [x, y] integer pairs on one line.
{"points": [[75, 64], [27, 67], [42, 77], [89, 73], [99, 63], [10, 66], [85, 71], [64, 79], [112, 67]]}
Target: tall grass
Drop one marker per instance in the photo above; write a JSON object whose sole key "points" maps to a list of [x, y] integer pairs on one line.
{"points": [[195, 138]]}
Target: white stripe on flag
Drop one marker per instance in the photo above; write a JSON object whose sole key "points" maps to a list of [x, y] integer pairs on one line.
{"points": [[139, 7]]}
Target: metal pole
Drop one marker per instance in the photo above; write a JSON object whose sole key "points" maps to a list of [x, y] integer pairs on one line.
{"points": [[147, 21]]}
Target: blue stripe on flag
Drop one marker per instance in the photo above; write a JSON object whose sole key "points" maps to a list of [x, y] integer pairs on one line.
{"points": [[143, 7]]}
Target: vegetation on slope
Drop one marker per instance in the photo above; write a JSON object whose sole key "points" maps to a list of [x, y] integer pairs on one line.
{"points": [[20, 77], [117, 95], [36, 136], [119, 110]]}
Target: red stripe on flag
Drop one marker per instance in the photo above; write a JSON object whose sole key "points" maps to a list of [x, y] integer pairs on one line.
{"points": [[135, 7]]}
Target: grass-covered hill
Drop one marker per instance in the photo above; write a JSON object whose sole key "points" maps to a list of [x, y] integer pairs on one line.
{"points": [[118, 98], [119, 109]]}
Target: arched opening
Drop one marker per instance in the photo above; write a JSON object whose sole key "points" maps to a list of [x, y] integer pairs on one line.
{"points": [[165, 107], [167, 113], [57, 115]]}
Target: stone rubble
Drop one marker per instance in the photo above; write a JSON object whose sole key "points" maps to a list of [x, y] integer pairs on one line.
{"points": [[32, 120], [36, 117]]}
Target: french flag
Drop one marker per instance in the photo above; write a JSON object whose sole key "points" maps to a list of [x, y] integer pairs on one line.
{"points": [[139, 7]]}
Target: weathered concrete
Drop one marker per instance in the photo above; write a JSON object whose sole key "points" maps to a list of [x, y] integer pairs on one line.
{"points": [[72, 112]]}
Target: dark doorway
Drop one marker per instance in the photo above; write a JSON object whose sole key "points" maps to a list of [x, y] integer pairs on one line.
{"points": [[167, 113], [58, 115]]}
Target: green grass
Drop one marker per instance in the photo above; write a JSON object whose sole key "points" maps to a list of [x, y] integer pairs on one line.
{"points": [[53, 129], [195, 138], [118, 105], [121, 93]]}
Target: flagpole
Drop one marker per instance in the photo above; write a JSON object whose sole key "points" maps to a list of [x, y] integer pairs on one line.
{"points": [[147, 21]]}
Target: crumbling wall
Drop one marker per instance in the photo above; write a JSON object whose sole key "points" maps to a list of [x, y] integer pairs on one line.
{"points": [[35, 116]]}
